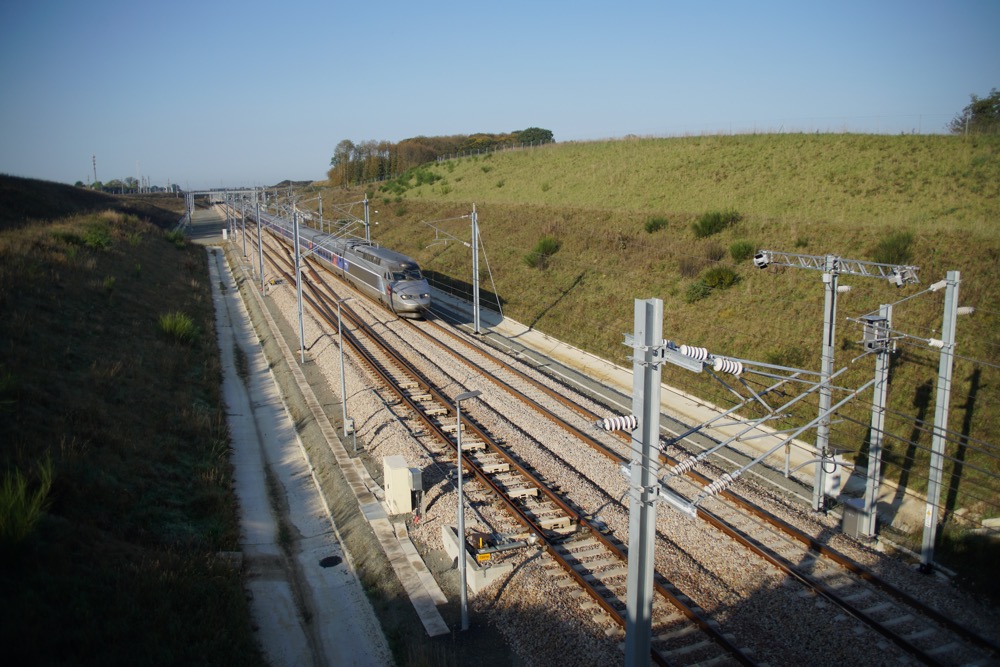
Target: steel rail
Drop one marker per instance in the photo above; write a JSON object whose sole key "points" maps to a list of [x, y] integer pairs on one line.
{"points": [[747, 541], [783, 526], [551, 544]]}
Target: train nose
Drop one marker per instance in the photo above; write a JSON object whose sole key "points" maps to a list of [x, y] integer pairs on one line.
{"points": [[414, 299]]}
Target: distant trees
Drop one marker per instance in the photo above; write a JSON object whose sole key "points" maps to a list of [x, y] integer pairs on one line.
{"points": [[535, 135], [127, 185], [340, 163], [980, 116], [379, 160]]}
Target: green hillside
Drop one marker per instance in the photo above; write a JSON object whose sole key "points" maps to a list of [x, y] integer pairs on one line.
{"points": [[932, 201], [928, 181]]}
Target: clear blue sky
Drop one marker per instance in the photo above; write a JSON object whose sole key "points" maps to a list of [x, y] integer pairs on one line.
{"points": [[208, 93]]}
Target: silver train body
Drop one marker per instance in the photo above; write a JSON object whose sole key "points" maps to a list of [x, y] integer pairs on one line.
{"points": [[386, 276]]}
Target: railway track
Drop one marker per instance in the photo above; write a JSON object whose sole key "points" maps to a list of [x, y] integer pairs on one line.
{"points": [[927, 634], [583, 550], [591, 557]]}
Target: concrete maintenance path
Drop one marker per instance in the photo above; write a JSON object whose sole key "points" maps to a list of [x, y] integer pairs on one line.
{"points": [[311, 578]]}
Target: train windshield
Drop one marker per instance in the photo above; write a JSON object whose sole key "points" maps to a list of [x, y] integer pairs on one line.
{"points": [[407, 274]]}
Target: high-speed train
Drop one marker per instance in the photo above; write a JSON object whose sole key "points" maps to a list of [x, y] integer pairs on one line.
{"points": [[389, 277]]}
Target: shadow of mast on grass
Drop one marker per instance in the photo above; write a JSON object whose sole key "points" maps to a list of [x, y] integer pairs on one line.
{"points": [[561, 296]]}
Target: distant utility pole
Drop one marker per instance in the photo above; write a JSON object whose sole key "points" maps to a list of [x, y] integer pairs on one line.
{"points": [[93, 158]]}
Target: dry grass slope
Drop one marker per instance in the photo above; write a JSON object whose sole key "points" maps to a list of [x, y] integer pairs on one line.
{"points": [[121, 567]]}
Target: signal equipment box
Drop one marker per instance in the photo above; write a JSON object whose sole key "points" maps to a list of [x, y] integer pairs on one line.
{"points": [[403, 485]]}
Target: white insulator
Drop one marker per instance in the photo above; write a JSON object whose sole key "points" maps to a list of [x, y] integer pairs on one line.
{"points": [[699, 353], [619, 423], [719, 484], [723, 365], [684, 466]]}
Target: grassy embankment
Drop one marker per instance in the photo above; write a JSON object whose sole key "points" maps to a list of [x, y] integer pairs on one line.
{"points": [[933, 201], [115, 494]]}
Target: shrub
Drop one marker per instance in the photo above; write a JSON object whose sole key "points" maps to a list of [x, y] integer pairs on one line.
{"points": [[176, 237], [544, 249], [720, 277], [714, 222], [714, 252], [894, 249], [655, 224], [742, 250], [179, 327], [97, 236], [426, 176], [716, 278], [396, 187], [20, 506], [697, 291]]}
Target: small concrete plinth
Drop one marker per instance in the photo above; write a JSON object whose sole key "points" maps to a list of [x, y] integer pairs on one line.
{"points": [[478, 577]]}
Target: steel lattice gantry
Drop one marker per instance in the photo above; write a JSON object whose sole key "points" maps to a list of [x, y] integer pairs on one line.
{"points": [[832, 267]]}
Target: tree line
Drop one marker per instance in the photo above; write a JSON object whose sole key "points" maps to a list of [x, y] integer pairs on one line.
{"points": [[980, 116], [128, 185], [373, 160]]}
